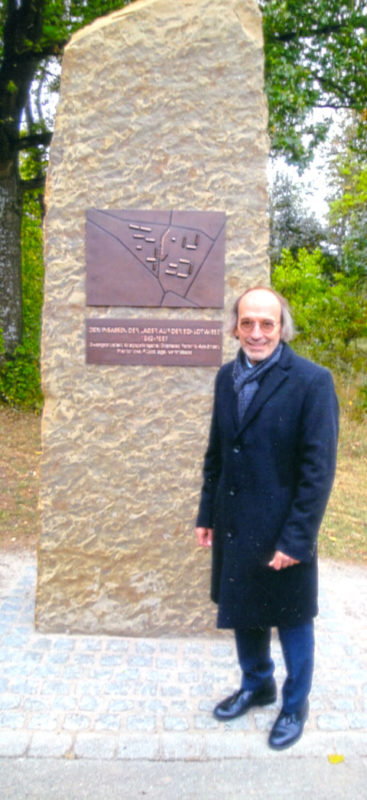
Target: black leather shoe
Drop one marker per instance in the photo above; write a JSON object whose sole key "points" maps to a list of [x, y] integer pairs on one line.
{"points": [[241, 701], [287, 729]]}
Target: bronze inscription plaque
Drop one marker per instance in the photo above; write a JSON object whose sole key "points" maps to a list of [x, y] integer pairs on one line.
{"points": [[155, 258], [154, 342]]}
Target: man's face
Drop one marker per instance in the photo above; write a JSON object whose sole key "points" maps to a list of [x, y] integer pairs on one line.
{"points": [[259, 324]]}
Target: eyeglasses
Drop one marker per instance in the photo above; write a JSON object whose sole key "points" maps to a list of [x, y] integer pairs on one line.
{"points": [[265, 325]]}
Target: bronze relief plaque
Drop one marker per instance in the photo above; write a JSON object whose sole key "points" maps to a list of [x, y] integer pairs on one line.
{"points": [[155, 258], [154, 342]]}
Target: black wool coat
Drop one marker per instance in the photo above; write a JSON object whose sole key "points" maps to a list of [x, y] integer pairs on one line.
{"points": [[267, 480]]}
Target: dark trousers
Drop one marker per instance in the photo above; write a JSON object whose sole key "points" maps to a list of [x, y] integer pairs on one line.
{"points": [[253, 648]]}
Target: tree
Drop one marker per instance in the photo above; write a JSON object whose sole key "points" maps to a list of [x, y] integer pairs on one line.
{"points": [[20, 383], [329, 311], [348, 203], [315, 58], [33, 34], [292, 225], [350, 213]]}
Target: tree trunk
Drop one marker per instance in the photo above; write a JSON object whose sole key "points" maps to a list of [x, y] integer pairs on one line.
{"points": [[10, 258]]}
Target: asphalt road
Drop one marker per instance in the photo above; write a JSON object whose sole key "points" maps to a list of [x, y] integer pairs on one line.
{"points": [[295, 779]]}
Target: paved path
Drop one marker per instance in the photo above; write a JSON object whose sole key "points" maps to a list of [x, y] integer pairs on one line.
{"points": [[110, 698]]}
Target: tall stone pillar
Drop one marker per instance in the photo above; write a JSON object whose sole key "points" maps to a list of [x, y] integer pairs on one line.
{"points": [[162, 108]]}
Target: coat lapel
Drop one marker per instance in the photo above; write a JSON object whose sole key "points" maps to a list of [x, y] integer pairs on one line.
{"points": [[233, 405], [269, 384]]}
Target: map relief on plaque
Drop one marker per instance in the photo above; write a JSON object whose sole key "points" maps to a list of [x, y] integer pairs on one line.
{"points": [[155, 258]]}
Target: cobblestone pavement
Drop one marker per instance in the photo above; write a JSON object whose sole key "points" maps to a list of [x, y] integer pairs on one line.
{"points": [[107, 697]]}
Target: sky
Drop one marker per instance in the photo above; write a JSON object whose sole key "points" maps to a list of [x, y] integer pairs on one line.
{"points": [[314, 181]]}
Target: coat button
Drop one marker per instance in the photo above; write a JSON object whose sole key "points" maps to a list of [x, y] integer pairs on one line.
{"points": [[229, 535], [232, 492], [236, 449]]}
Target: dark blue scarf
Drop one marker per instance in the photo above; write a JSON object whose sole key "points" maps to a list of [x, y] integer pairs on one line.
{"points": [[246, 379]]}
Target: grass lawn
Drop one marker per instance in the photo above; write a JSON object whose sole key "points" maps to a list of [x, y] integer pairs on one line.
{"points": [[343, 535]]}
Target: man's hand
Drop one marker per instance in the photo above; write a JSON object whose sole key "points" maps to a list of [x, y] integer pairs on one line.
{"points": [[204, 536], [281, 561]]}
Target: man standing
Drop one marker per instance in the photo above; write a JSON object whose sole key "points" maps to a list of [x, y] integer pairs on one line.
{"points": [[268, 473]]}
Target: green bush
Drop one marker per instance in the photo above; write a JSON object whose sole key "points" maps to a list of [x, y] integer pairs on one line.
{"points": [[20, 383], [329, 311]]}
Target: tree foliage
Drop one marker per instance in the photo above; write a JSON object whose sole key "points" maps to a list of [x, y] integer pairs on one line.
{"points": [[348, 203], [327, 287], [33, 34], [19, 373], [330, 313], [292, 225], [315, 57]]}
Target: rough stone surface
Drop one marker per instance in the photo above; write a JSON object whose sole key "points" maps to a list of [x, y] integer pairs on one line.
{"points": [[161, 106]]}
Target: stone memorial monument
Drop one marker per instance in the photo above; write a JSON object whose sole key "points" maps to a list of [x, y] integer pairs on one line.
{"points": [[156, 221]]}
